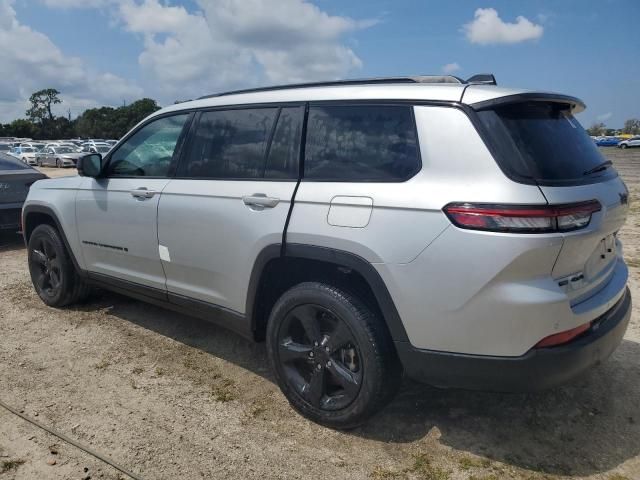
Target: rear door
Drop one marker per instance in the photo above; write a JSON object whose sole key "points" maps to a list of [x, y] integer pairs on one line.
{"points": [[230, 199], [544, 142], [117, 214]]}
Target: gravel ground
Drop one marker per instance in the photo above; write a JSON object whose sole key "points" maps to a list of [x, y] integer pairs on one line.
{"points": [[171, 397]]}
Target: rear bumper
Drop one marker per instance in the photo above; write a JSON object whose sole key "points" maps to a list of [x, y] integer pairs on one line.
{"points": [[538, 369]]}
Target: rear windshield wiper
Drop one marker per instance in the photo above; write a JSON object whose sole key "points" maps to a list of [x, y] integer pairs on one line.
{"points": [[598, 168]]}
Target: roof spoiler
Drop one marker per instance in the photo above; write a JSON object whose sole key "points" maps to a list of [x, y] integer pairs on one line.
{"points": [[482, 79]]}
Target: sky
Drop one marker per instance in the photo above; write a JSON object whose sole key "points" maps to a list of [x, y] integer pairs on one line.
{"points": [[111, 52]]}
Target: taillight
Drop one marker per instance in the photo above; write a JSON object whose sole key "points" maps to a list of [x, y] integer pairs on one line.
{"points": [[522, 218]]}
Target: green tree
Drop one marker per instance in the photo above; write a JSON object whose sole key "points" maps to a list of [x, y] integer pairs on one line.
{"points": [[41, 102], [107, 122], [21, 127], [597, 129], [632, 126]]}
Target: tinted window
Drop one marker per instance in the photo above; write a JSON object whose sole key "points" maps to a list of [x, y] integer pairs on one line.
{"points": [[149, 151], [543, 141], [7, 162], [376, 143], [229, 144], [283, 158]]}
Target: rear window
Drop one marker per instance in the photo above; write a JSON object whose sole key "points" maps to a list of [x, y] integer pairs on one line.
{"points": [[7, 162], [543, 142], [361, 143]]}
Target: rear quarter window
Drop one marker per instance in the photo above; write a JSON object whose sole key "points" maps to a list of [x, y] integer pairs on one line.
{"points": [[361, 143], [544, 143]]}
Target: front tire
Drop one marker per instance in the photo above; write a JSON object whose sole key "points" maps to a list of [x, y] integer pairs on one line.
{"points": [[52, 272], [332, 355], [58, 164], [623, 146]]}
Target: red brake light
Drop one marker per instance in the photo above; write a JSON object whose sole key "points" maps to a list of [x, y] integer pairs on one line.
{"points": [[522, 218], [563, 337]]}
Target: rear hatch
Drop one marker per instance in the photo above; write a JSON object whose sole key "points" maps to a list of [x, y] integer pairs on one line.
{"points": [[540, 142]]}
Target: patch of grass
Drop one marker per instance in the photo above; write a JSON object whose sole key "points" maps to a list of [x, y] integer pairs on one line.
{"points": [[137, 370], [617, 476], [467, 463], [423, 467], [8, 465], [160, 371], [379, 473], [102, 365], [224, 391]]}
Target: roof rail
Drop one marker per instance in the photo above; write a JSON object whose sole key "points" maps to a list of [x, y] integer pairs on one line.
{"points": [[363, 81]]}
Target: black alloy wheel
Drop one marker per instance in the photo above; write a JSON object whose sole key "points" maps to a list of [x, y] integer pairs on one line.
{"points": [[45, 267], [320, 357], [332, 354]]}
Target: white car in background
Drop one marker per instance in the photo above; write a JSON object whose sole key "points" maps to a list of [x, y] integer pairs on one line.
{"points": [[630, 142]]}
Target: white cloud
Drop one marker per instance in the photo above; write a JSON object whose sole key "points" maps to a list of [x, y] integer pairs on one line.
{"points": [[236, 43], [39, 63], [223, 44], [450, 68], [604, 116], [488, 28]]}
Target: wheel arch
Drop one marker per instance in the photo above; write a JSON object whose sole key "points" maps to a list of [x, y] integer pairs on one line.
{"points": [[34, 215], [276, 270]]}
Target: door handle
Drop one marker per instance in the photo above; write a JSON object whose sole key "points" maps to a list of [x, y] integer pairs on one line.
{"points": [[142, 193], [260, 200]]}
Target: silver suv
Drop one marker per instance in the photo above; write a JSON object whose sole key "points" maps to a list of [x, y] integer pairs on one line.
{"points": [[458, 232]]}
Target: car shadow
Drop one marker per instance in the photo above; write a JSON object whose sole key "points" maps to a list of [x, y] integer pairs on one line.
{"points": [[10, 241], [589, 426]]}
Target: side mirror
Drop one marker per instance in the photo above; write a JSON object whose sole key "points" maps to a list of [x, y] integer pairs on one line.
{"points": [[90, 165]]}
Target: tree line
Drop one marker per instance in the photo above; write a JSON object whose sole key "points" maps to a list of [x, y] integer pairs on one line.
{"points": [[102, 122], [631, 126]]}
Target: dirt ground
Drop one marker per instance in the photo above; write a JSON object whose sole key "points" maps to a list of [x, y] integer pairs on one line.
{"points": [[170, 397]]}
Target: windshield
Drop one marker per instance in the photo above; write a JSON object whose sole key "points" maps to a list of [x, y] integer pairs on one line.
{"points": [[7, 162], [63, 150], [27, 150], [543, 142], [102, 149]]}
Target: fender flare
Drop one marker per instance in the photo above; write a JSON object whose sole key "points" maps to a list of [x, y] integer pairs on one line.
{"points": [[50, 213], [339, 258]]}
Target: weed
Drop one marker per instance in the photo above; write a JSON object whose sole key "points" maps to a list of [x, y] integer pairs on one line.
{"points": [[102, 365], [8, 465]]}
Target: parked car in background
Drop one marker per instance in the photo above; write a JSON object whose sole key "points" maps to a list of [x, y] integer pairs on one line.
{"points": [[607, 141], [111, 143], [96, 147], [5, 147], [56, 156], [15, 179], [26, 154], [630, 142]]}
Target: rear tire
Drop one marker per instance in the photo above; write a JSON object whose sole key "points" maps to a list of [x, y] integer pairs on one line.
{"points": [[52, 271], [332, 355]]}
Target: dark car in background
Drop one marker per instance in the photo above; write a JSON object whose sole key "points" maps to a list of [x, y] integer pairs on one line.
{"points": [[15, 180]]}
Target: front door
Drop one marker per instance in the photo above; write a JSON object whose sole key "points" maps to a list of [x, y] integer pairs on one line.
{"points": [[117, 214]]}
